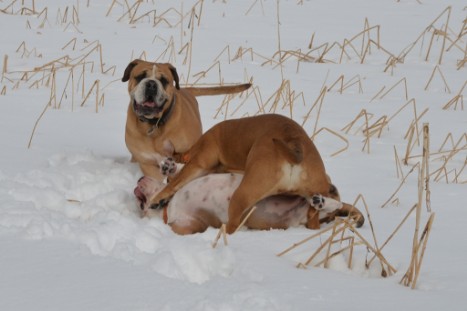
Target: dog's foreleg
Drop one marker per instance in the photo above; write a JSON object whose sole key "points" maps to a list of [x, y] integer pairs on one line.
{"points": [[187, 174], [312, 218], [151, 170]]}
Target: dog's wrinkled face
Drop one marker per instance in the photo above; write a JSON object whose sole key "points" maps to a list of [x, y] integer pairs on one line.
{"points": [[151, 87]]}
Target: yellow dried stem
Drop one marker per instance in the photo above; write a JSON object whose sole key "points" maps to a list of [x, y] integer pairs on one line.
{"points": [[254, 3], [318, 101], [202, 74], [398, 164], [426, 164], [349, 247], [335, 134], [73, 42], [394, 232], [111, 7], [404, 80], [437, 69], [414, 262], [423, 242], [224, 50], [5, 66], [375, 251], [328, 251], [245, 219], [64, 89], [400, 185], [295, 245], [456, 99], [96, 83], [322, 246], [8, 7], [36, 124], [349, 126], [222, 233]]}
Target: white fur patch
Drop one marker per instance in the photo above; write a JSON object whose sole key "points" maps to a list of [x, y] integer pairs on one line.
{"points": [[292, 175]]}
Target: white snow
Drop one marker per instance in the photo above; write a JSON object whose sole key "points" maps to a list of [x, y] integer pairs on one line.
{"points": [[71, 237]]}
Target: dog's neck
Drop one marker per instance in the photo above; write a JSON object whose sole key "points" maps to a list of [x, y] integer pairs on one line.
{"points": [[158, 122]]}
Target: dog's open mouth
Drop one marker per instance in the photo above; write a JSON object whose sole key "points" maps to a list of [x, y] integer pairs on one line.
{"points": [[148, 109]]}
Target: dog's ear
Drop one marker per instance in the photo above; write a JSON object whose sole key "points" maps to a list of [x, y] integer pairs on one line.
{"points": [[129, 68], [173, 70]]}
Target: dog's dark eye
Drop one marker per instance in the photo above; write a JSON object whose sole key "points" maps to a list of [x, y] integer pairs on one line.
{"points": [[164, 81], [140, 77]]}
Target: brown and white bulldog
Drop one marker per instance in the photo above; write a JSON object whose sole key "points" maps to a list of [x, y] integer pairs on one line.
{"points": [[162, 119], [275, 155]]}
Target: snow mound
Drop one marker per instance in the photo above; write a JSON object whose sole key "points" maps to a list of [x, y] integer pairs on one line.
{"points": [[89, 200]]}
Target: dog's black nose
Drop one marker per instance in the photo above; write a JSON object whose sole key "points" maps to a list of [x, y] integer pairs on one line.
{"points": [[151, 85]]}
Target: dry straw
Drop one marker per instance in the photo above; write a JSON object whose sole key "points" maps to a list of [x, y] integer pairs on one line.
{"points": [[458, 99], [89, 57], [222, 229], [420, 242], [437, 69], [220, 233], [339, 228]]}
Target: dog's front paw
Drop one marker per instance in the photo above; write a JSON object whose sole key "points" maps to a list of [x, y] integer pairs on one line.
{"points": [[318, 201], [168, 167]]}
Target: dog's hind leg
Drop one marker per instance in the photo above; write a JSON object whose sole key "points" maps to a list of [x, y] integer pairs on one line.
{"points": [[251, 190], [354, 213]]}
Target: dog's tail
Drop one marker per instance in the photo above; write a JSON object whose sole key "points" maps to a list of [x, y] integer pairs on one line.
{"points": [[218, 90], [292, 150]]}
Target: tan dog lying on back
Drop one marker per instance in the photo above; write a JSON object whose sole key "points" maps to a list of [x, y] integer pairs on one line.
{"points": [[274, 153], [162, 119]]}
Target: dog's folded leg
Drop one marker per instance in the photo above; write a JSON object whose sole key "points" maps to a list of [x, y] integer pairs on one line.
{"points": [[313, 218], [352, 212], [321, 205]]}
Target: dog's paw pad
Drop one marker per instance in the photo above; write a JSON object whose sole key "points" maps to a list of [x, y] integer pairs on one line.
{"points": [[168, 167], [318, 201]]}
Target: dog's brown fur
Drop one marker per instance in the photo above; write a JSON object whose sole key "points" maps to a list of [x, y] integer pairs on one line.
{"points": [[148, 142], [275, 154]]}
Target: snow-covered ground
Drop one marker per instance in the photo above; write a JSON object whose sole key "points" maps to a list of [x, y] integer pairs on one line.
{"points": [[70, 233]]}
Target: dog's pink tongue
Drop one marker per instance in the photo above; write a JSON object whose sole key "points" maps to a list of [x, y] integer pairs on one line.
{"points": [[149, 104]]}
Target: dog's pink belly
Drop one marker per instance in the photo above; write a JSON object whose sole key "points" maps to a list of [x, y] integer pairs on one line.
{"points": [[212, 193], [280, 210]]}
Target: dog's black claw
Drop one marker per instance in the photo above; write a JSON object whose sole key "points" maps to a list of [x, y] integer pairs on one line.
{"points": [[161, 204]]}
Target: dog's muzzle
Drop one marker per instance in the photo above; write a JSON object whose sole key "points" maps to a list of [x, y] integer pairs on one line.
{"points": [[149, 98]]}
